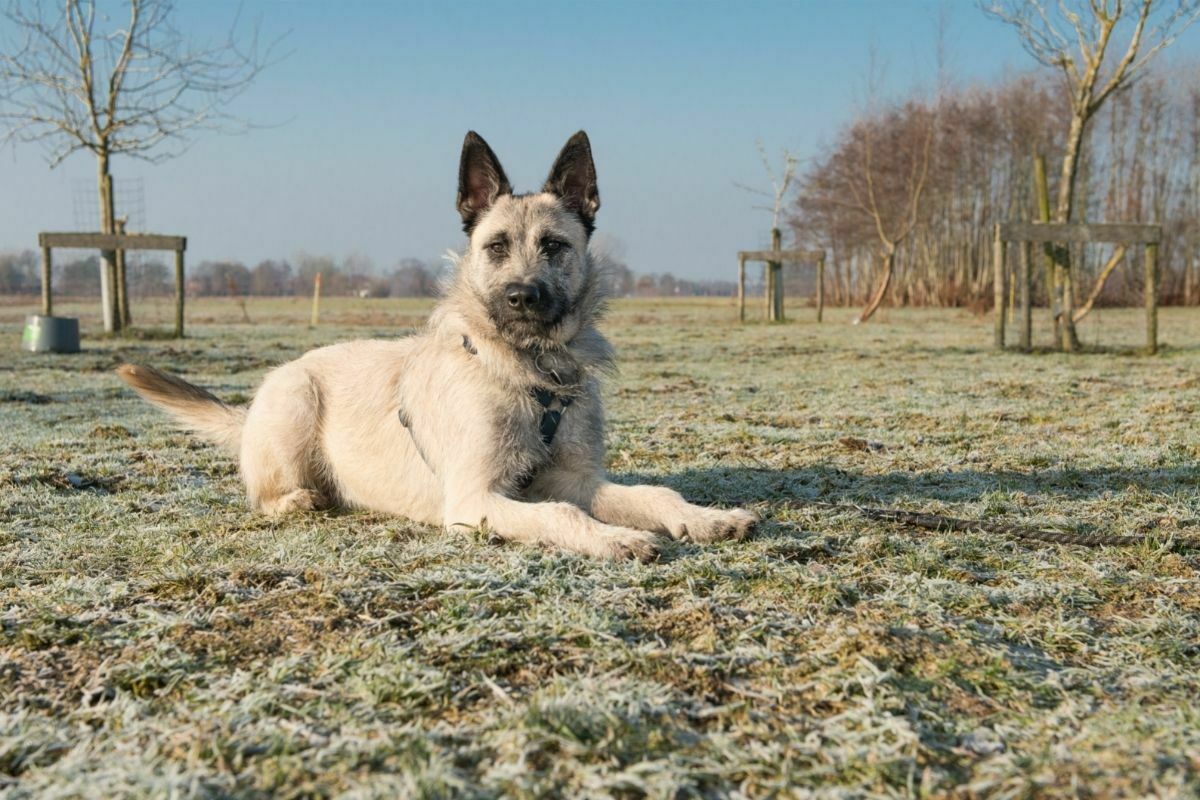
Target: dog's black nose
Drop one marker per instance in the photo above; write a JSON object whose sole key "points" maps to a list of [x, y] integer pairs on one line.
{"points": [[522, 295]]}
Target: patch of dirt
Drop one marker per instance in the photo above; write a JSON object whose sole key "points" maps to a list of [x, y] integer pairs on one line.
{"points": [[51, 680], [111, 432], [22, 396]]}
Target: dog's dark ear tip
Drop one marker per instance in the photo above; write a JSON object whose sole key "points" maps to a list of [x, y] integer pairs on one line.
{"points": [[481, 179], [573, 179]]}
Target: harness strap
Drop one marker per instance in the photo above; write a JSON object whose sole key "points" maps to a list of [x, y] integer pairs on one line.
{"points": [[547, 426], [551, 417]]}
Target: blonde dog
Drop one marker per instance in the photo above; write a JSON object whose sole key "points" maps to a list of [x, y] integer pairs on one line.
{"points": [[491, 416]]}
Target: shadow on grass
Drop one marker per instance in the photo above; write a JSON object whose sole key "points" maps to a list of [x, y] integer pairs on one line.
{"points": [[749, 485]]}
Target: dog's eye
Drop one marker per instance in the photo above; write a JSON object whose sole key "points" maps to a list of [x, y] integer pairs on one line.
{"points": [[553, 247], [498, 248]]}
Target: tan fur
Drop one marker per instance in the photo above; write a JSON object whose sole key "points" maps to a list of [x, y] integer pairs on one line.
{"points": [[195, 409], [325, 430]]}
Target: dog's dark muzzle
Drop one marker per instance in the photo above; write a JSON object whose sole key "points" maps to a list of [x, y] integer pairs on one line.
{"points": [[527, 303]]}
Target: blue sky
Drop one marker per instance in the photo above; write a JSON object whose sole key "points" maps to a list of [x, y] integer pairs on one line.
{"points": [[366, 117]]}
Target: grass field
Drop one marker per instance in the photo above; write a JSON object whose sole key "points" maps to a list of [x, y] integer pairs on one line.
{"points": [[157, 639]]}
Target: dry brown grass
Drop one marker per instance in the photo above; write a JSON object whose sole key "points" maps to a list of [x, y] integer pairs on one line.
{"points": [[156, 639]]}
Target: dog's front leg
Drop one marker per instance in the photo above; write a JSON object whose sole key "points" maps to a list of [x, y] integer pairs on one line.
{"points": [[554, 523], [650, 508]]}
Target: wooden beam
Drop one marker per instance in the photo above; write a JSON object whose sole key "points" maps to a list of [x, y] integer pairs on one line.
{"points": [[741, 289], [791, 256], [1057, 232], [776, 267], [113, 241], [47, 300], [179, 289], [122, 284], [768, 275], [1151, 290], [1025, 278], [998, 286], [820, 287]]}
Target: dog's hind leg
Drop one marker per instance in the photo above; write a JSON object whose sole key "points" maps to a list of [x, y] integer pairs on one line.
{"points": [[280, 455]]}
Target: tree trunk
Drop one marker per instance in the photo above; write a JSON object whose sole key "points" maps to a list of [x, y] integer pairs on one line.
{"points": [[885, 280], [1066, 201], [108, 259]]}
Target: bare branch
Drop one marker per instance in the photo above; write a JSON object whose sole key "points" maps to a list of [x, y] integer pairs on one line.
{"points": [[1113, 262], [141, 89], [780, 183]]}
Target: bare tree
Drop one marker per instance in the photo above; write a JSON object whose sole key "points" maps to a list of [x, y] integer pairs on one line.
{"points": [[781, 183], [896, 221], [72, 79], [1076, 37]]}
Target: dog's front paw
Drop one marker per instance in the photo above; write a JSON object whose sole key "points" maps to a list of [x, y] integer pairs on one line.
{"points": [[712, 524], [627, 543]]}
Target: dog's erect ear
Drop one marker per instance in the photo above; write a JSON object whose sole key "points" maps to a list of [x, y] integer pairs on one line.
{"points": [[481, 179], [573, 179]]}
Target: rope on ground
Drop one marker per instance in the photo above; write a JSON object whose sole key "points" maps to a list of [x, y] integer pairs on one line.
{"points": [[938, 522]]}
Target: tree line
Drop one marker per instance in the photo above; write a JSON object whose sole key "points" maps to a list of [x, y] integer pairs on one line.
{"points": [[354, 275], [943, 169]]}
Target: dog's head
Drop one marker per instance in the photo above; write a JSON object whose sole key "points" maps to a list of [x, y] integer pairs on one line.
{"points": [[527, 263]]}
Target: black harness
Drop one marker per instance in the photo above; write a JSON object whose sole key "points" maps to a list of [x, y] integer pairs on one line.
{"points": [[553, 405], [550, 416]]}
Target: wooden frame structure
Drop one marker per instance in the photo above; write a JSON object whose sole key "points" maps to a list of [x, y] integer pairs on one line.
{"points": [[117, 242], [1029, 233], [773, 294]]}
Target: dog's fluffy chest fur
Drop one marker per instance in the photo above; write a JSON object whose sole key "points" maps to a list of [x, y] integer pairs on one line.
{"points": [[523, 389]]}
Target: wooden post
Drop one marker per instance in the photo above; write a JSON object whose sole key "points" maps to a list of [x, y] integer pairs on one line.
{"points": [[47, 302], [777, 270], [179, 294], [1011, 277], [1026, 281], [820, 287], [741, 289], [316, 309], [1152, 298], [1054, 274], [998, 284], [122, 285], [768, 277]]}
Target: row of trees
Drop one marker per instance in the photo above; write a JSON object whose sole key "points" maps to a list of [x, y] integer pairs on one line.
{"points": [[19, 274], [354, 275], [905, 197]]}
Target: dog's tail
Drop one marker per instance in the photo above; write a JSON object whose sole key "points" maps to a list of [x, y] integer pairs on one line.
{"points": [[192, 407]]}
